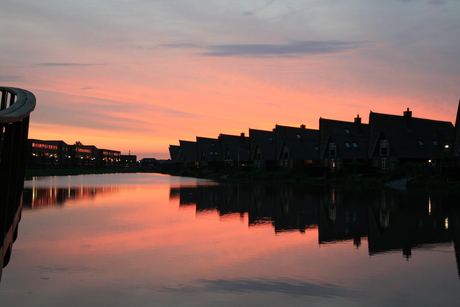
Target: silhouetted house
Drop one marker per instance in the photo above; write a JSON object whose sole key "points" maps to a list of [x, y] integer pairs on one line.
{"points": [[235, 149], [175, 153], [296, 147], [396, 140], [48, 154], [262, 149], [343, 145], [209, 152], [456, 145], [188, 153], [128, 160]]}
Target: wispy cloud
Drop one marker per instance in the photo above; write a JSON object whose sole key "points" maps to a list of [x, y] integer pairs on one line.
{"points": [[9, 78], [291, 49], [283, 50], [65, 64]]}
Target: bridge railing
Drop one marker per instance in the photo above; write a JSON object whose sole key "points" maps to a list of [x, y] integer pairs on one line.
{"points": [[15, 108]]}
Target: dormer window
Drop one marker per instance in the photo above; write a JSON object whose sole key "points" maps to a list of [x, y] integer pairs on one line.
{"points": [[384, 147], [332, 150], [258, 154], [285, 152], [347, 131]]}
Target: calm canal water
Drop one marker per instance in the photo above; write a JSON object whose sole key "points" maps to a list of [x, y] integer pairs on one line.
{"points": [[156, 240]]}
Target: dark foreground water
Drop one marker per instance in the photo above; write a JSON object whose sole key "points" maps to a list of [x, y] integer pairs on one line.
{"points": [[155, 240]]}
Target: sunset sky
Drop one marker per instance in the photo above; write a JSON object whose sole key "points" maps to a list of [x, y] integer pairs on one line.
{"points": [[138, 75]]}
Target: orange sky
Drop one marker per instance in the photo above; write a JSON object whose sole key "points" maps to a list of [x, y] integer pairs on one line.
{"points": [[140, 75]]}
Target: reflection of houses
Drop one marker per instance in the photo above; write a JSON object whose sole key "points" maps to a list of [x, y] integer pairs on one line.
{"points": [[341, 218], [392, 221], [343, 145], [393, 225], [395, 140], [296, 147], [38, 197]]}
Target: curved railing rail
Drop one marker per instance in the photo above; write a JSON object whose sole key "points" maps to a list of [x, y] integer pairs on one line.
{"points": [[15, 108]]}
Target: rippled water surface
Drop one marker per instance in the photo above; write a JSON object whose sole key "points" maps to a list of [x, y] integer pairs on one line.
{"points": [[155, 240]]}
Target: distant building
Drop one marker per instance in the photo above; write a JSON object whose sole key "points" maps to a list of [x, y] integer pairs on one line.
{"points": [[128, 160], [48, 154], [57, 154], [148, 163]]}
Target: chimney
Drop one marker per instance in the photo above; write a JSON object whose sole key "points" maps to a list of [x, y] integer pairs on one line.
{"points": [[407, 114], [242, 134], [357, 119], [302, 126], [407, 119], [358, 127]]}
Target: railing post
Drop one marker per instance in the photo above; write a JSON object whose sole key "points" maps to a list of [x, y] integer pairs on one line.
{"points": [[15, 108]]}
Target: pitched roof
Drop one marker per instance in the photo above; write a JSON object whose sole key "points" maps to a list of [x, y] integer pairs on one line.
{"points": [[208, 149], [236, 145], [302, 142], [265, 141], [188, 151], [410, 137], [175, 153], [350, 137]]}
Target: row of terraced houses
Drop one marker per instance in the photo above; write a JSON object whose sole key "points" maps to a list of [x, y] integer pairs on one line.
{"points": [[385, 142]]}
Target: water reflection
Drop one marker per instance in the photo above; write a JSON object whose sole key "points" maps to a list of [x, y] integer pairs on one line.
{"points": [[181, 242], [392, 220], [39, 197]]}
